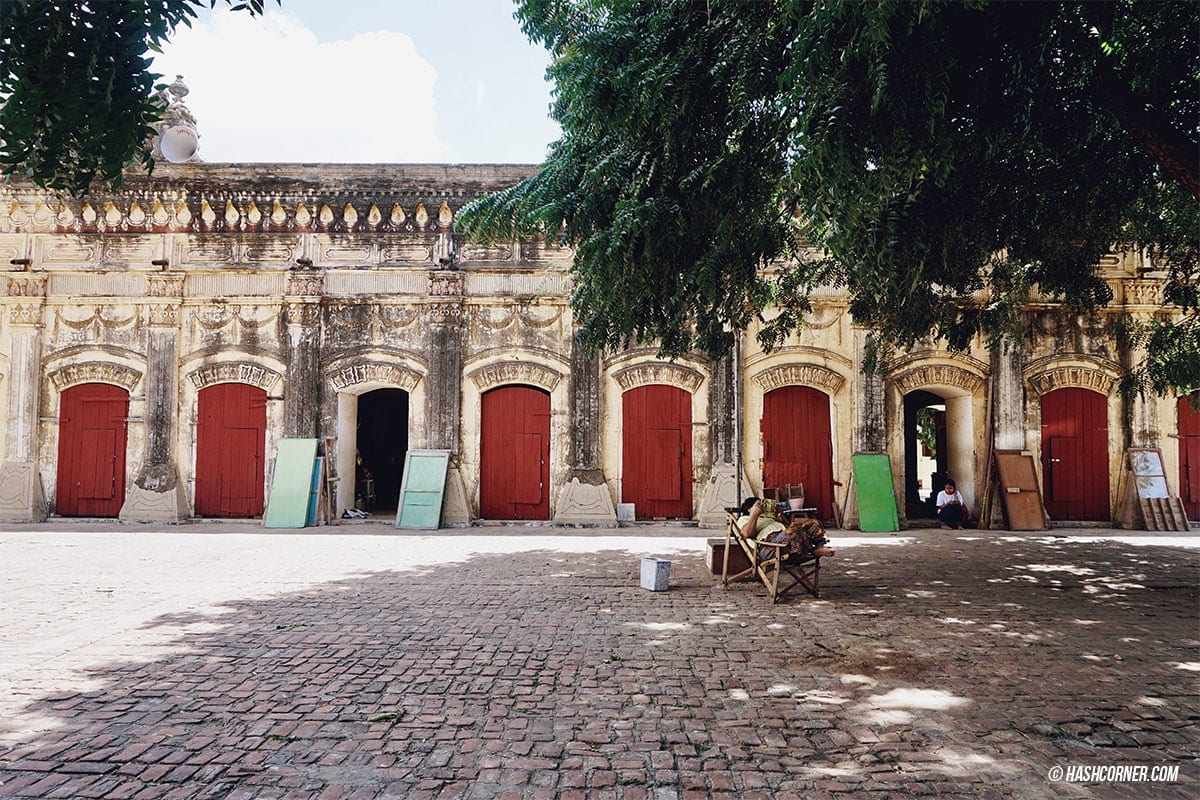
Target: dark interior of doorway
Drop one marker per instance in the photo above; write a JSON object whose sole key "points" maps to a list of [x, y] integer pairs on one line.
{"points": [[914, 421], [382, 442]]}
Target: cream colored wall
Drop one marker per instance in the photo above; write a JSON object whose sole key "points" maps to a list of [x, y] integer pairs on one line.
{"points": [[374, 236]]}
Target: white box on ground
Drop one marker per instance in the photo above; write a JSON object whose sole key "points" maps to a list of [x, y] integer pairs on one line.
{"points": [[656, 574], [625, 512]]}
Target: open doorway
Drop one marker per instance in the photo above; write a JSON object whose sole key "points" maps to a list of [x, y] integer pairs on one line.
{"points": [[382, 442], [926, 454]]}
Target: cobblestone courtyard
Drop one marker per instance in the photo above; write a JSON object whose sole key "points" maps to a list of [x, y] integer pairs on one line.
{"points": [[220, 661]]}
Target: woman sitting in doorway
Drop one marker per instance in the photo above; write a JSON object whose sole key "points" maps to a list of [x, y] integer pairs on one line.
{"points": [[805, 538], [951, 509]]}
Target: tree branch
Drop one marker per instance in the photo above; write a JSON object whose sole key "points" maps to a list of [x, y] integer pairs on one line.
{"points": [[1174, 152]]}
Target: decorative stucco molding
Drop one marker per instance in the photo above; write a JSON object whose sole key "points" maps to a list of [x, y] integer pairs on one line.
{"points": [[1072, 377], [166, 285], [799, 375], [581, 503], [671, 374], [369, 372], [306, 313], [162, 315], [444, 312], [938, 375], [1143, 293], [95, 372], [508, 372], [27, 286], [305, 284], [445, 284], [25, 314], [234, 372], [162, 213]]}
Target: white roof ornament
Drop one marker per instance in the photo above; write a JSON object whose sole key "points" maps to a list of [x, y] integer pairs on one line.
{"points": [[177, 141]]}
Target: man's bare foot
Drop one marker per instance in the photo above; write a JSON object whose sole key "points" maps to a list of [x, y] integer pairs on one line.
{"points": [[824, 552], [945, 527]]}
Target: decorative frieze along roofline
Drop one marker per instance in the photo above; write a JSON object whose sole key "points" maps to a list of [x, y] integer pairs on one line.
{"points": [[228, 198]]}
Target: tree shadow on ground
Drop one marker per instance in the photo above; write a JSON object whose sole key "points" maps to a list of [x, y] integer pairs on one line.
{"points": [[959, 669]]}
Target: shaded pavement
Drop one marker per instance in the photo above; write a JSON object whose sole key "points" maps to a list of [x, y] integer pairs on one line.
{"points": [[508, 662]]}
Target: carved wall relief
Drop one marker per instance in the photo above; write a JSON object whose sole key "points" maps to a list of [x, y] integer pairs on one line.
{"points": [[93, 325], [938, 375], [1143, 293], [305, 284], [234, 372], [509, 372], [1072, 377], [25, 314], [799, 375], [165, 285], [27, 286], [94, 372], [373, 372], [445, 284], [672, 374], [162, 315]]}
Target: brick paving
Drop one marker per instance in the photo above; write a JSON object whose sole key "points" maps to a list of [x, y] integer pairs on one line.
{"points": [[222, 662]]}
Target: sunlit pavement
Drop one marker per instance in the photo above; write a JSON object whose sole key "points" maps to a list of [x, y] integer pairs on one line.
{"points": [[219, 660]]}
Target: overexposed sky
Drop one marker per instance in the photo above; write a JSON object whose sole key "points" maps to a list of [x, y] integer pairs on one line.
{"points": [[365, 81]]}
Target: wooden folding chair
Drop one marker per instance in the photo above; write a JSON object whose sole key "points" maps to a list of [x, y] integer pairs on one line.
{"points": [[779, 572]]}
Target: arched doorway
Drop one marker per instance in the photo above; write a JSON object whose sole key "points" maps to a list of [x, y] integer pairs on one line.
{"points": [[656, 451], [797, 446], [514, 453], [1075, 454], [1189, 455], [926, 453], [382, 443], [92, 433], [231, 432]]}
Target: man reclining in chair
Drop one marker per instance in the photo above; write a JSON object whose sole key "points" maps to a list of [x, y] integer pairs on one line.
{"points": [[805, 538]]}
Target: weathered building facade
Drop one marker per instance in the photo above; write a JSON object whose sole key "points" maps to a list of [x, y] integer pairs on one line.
{"points": [[156, 342]]}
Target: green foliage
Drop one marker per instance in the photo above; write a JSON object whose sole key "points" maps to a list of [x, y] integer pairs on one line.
{"points": [[76, 85], [667, 178], [948, 158], [927, 429]]}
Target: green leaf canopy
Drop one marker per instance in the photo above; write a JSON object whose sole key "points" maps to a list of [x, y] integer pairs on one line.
{"points": [[944, 157]]}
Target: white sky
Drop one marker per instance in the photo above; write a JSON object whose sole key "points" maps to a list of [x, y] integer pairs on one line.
{"points": [[365, 81]]}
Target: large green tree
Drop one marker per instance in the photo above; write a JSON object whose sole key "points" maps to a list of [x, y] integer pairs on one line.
{"points": [[76, 89], [945, 158]]}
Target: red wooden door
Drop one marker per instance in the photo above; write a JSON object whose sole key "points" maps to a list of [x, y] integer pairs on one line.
{"points": [[656, 447], [92, 431], [1189, 457], [231, 432], [1075, 454], [514, 454], [797, 446]]}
